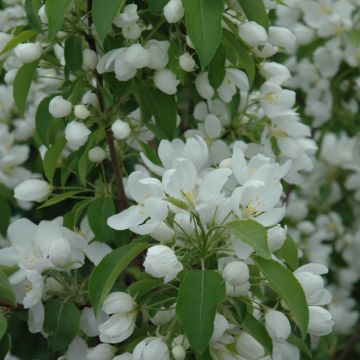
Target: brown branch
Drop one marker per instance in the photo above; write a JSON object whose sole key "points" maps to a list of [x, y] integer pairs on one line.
{"points": [[121, 199], [347, 351]]}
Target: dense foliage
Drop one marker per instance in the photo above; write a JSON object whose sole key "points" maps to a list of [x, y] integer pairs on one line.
{"points": [[179, 179]]}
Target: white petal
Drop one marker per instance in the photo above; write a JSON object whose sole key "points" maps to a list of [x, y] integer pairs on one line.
{"points": [[128, 218]]}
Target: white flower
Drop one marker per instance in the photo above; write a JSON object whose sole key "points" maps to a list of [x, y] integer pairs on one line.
{"points": [[173, 11], [253, 34], [236, 273], [120, 129], [161, 261], [4, 39], [28, 52], [100, 352], [76, 134], [132, 31], [248, 347], [281, 37], [203, 86], [97, 154], [158, 51], [90, 60], [186, 62], [309, 277], [81, 112], [124, 356], [163, 316], [60, 252], [221, 325], [89, 324], [166, 81], [32, 190], [151, 348], [128, 16], [42, 15], [277, 325], [59, 107], [276, 237], [320, 321], [275, 72], [179, 353], [151, 210], [285, 350], [137, 56], [234, 79]]}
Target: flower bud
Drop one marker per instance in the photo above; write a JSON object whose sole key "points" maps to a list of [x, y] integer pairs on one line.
{"points": [[179, 352], [100, 352], [42, 15], [76, 134], [281, 37], [32, 190], [4, 39], [118, 302], [166, 81], [158, 51], [59, 107], [28, 52], [248, 347], [320, 321], [97, 154], [277, 325], [212, 126], [203, 86], [132, 31], [120, 129], [60, 253], [81, 112], [173, 11], [276, 237], [10, 76], [163, 316], [137, 56], [124, 356], [90, 60], [161, 261], [253, 34], [236, 273], [186, 62], [151, 348]]}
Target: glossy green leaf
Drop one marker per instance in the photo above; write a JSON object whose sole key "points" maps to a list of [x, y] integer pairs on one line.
{"points": [[7, 294], [52, 157], [22, 84], [5, 216], [140, 288], [203, 24], [61, 323], [32, 7], [255, 11], [24, 36], [285, 284], [217, 68], [252, 233], [289, 253], [4, 346], [73, 52], [44, 120], [3, 325], [59, 198], [252, 325], [200, 293], [104, 275], [156, 6], [56, 12], [104, 13], [98, 213]]}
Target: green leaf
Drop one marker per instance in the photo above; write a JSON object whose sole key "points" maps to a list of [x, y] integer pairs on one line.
{"points": [[255, 11], [32, 7], [73, 52], [4, 346], [200, 293], [98, 213], [163, 108], [59, 198], [203, 24], [104, 13], [3, 325], [238, 54], [24, 36], [7, 294], [5, 216], [285, 284], [253, 326], [44, 120], [217, 68], [61, 323], [289, 253], [300, 344], [52, 157], [252, 233], [104, 275], [156, 6], [55, 12], [140, 288], [22, 84]]}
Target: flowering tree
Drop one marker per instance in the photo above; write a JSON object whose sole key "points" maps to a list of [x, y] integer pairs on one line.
{"points": [[162, 195]]}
